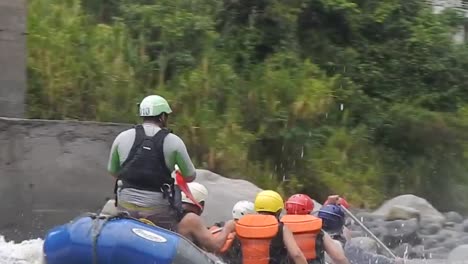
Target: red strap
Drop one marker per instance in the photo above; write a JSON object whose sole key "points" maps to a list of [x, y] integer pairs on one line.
{"points": [[184, 188]]}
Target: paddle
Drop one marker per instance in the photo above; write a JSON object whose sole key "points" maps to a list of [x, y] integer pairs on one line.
{"points": [[217, 230], [180, 181], [368, 231]]}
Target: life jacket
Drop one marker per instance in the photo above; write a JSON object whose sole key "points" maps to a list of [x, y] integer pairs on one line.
{"points": [[261, 239], [227, 245], [145, 167], [307, 231]]}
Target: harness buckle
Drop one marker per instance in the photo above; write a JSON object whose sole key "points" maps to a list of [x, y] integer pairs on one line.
{"points": [[166, 189]]}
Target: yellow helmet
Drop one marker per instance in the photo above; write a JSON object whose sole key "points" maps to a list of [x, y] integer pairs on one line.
{"points": [[268, 201]]}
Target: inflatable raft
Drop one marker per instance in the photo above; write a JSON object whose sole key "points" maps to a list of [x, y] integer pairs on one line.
{"points": [[94, 239]]}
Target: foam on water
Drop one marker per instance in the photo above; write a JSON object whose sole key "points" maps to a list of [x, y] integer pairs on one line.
{"points": [[26, 252]]}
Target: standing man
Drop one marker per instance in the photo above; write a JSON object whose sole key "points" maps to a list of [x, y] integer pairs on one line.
{"points": [[142, 158]]}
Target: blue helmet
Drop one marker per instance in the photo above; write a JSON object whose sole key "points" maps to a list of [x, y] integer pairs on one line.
{"points": [[333, 218]]}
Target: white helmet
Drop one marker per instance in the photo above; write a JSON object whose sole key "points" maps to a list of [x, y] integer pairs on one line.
{"points": [[198, 191], [242, 208], [154, 105]]}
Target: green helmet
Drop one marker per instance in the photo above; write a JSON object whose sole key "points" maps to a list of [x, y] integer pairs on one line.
{"points": [[154, 105]]}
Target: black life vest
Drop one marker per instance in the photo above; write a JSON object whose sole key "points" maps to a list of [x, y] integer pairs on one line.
{"points": [[145, 167]]}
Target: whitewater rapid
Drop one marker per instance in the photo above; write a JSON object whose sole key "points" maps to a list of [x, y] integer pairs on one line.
{"points": [[26, 252]]}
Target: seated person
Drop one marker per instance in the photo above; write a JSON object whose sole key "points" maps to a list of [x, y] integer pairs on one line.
{"points": [[230, 252], [308, 231], [192, 226], [333, 219]]}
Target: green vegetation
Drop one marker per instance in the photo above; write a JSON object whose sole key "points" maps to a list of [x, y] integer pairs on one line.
{"points": [[364, 98]]}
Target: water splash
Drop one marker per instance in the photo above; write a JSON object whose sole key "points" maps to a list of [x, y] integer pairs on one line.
{"points": [[26, 252]]}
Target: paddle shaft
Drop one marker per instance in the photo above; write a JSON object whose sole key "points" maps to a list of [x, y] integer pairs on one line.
{"points": [[217, 230], [368, 231]]}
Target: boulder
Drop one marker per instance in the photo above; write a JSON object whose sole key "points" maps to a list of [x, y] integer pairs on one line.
{"points": [[109, 208], [401, 231], [366, 243], [398, 212], [453, 217], [223, 193], [425, 209], [459, 254]]}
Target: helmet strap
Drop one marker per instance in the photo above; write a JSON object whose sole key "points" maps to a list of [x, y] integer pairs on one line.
{"points": [[163, 120]]}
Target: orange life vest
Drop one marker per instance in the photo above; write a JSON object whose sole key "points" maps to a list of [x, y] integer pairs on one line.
{"points": [[307, 231], [260, 240], [227, 245]]}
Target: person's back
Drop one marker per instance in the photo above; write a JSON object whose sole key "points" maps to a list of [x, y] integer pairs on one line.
{"points": [[263, 239], [142, 159], [308, 231], [231, 251]]}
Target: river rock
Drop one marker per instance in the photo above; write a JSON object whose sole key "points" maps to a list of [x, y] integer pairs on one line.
{"points": [[367, 217], [463, 240], [436, 253], [402, 250], [425, 209], [459, 254], [398, 212], [401, 231], [450, 243], [431, 228], [417, 252], [317, 207], [378, 231], [429, 242], [465, 225], [366, 243], [453, 217], [357, 233]]}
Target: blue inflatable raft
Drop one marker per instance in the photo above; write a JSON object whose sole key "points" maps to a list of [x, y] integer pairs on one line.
{"points": [[93, 239]]}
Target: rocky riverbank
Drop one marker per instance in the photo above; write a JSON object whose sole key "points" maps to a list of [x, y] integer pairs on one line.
{"points": [[414, 229]]}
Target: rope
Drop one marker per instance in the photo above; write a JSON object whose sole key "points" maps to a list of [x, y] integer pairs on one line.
{"points": [[99, 221]]}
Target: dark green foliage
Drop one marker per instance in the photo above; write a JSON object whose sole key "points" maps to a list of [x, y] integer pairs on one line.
{"points": [[363, 98]]}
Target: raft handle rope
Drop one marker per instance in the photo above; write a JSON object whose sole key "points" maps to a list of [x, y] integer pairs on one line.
{"points": [[98, 225], [368, 232]]}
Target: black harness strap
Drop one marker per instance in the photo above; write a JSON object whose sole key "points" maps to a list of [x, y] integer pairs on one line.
{"points": [[139, 137]]}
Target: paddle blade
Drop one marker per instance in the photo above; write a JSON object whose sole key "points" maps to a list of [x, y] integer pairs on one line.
{"points": [[184, 188]]}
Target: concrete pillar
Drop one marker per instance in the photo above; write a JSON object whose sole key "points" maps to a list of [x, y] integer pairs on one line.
{"points": [[12, 57]]}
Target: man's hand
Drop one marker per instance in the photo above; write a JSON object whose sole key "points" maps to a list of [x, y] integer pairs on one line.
{"points": [[337, 200], [230, 226], [332, 199]]}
